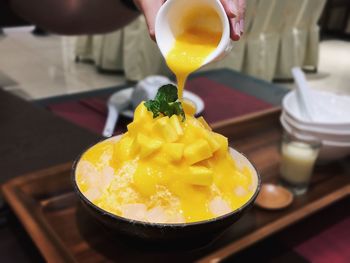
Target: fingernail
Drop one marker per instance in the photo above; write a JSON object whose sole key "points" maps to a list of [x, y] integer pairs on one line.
{"points": [[238, 29], [233, 7], [241, 25]]}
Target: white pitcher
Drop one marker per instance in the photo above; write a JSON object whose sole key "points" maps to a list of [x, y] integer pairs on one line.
{"points": [[168, 25]]}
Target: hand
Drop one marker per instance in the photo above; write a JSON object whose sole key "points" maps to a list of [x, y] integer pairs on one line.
{"points": [[234, 9], [149, 8]]}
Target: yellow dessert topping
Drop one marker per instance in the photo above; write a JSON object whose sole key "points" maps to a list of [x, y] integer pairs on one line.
{"points": [[180, 168]]}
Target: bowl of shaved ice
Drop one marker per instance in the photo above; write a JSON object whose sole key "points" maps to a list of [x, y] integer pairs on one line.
{"points": [[168, 178]]}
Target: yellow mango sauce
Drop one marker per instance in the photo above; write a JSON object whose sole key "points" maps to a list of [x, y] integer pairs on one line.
{"points": [[200, 37], [164, 170]]}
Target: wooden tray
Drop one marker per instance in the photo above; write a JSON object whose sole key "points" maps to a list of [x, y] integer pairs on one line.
{"points": [[45, 203]]}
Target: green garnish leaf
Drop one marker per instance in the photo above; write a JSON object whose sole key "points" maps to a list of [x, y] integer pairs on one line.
{"points": [[166, 103], [154, 107], [179, 110], [167, 93]]}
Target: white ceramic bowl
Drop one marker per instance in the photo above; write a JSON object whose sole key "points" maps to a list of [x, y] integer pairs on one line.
{"points": [[168, 25], [324, 134], [338, 121], [331, 150]]}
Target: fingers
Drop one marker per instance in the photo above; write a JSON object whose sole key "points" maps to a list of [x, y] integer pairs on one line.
{"points": [[235, 32], [234, 9], [230, 8], [237, 22], [241, 8], [150, 10]]}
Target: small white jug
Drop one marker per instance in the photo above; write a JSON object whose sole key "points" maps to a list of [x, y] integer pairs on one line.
{"points": [[168, 25]]}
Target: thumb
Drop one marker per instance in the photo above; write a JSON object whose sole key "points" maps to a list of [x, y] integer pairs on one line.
{"points": [[230, 7], [150, 10]]}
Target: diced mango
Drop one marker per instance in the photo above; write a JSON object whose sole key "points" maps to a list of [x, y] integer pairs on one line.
{"points": [[167, 131], [98, 151], [197, 151], [194, 122], [142, 114], [145, 180], [189, 107], [174, 120], [182, 189], [160, 158], [223, 142], [136, 127], [122, 150], [204, 123], [213, 143], [190, 134], [133, 127], [199, 175], [199, 132], [147, 145], [134, 148], [174, 151]]}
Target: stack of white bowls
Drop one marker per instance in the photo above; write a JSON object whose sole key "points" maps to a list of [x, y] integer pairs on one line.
{"points": [[331, 123]]}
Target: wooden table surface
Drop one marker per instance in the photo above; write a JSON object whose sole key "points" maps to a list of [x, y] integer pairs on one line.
{"points": [[31, 139]]}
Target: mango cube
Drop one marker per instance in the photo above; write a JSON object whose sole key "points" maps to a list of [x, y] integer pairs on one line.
{"points": [[223, 142], [99, 150], [189, 107], [182, 189], [174, 120], [199, 132], [204, 123], [141, 113], [167, 131], [122, 149], [197, 151], [174, 151], [213, 143], [134, 148], [190, 134], [199, 175], [145, 181], [147, 145], [133, 127]]}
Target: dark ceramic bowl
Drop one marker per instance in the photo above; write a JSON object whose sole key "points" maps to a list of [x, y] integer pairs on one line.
{"points": [[185, 233]]}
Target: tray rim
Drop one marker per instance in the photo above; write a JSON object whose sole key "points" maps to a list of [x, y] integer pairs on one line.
{"points": [[53, 249], [45, 238], [246, 117]]}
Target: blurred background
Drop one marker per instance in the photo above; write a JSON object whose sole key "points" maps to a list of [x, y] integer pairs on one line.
{"points": [[279, 35]]}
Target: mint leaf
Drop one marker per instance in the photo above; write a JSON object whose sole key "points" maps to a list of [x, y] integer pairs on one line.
{"points": [[166, 103], [154, 107], [179, 110], [167, 93]]}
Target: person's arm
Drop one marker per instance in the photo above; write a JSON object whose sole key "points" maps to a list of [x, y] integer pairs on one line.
{"points": [[100, 16], [72, 17]]}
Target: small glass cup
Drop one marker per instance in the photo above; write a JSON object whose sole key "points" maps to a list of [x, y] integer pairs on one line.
{"points": [[297, 162]]}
